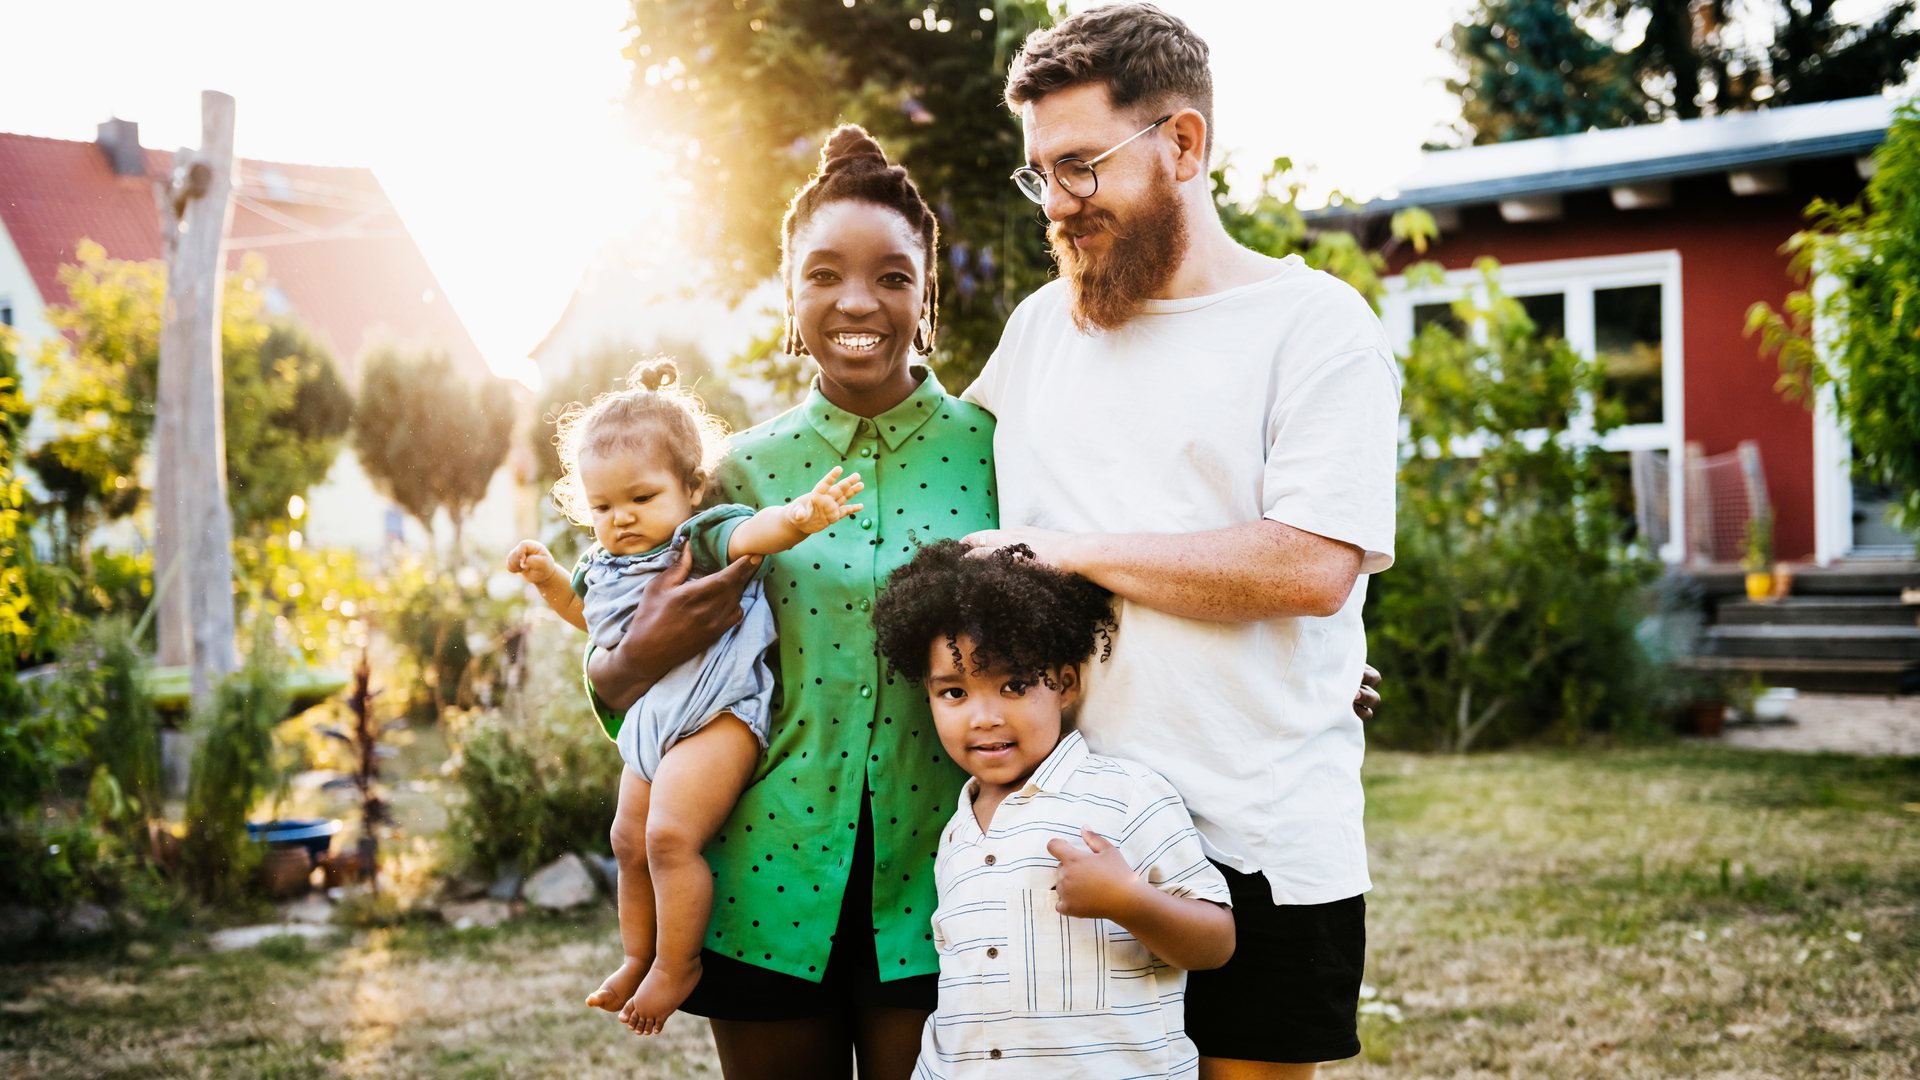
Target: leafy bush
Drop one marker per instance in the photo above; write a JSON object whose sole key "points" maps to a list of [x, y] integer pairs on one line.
{"points": [[1511, 607], [100, 697], [539, 777], [234, 767], [1862, 338]]}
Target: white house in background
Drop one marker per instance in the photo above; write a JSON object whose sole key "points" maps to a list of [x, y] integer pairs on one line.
{"points": [[338, 259]]}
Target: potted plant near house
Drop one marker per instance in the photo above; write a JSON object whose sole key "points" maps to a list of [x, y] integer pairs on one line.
{"points": [[1758, 561]]}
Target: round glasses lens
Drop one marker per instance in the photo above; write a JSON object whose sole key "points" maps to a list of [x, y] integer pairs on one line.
{"points": [[1077, 177], [1031, 184]]}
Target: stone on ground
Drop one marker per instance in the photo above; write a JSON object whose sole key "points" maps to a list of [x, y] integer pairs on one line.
{"points": [[562, 883], [84, 921], [467, 914], [313, 909], [246, 937]]}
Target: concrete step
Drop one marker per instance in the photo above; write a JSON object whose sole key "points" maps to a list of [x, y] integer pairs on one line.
{"points": [[1822, 676], [1843, 578], [1814, 642], [1819, 611]]}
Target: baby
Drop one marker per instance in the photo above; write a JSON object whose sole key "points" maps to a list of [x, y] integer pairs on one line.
{"points": [[635, 465], [1074, 895]]}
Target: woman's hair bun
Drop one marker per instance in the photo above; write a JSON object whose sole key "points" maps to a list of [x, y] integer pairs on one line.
{"points": [[850, 147], [653, 374]]}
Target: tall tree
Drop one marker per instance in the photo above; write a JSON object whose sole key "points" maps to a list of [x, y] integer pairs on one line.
{"points": [[743, 92], [428, 437], [1541, 67], [1816, 57], [286, 411], [1532, 70]]}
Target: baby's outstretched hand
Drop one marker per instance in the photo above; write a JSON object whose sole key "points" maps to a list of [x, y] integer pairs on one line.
{"points": [[532, 561], [826, 503]]}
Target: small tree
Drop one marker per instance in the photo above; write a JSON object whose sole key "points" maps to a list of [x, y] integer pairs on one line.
{"points": [[1509, 609], [429, 438], [287, 412], [1859, 332], [235, 765]]}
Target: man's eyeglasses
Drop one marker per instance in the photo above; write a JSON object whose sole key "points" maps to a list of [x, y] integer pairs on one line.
{"points": [[1075, 177]]}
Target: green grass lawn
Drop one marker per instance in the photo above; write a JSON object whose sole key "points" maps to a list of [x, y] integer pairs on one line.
{"points": [[1686, 912]]}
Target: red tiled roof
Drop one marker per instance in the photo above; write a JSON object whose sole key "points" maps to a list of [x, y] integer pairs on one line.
{"points": [[333, 244]]}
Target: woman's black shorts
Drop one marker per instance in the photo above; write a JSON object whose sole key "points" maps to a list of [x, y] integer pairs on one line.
{"points": [[1291, 991], [730, 989]]}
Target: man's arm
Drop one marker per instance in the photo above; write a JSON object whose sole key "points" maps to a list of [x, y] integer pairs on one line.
{"points": [[1245, 573]]}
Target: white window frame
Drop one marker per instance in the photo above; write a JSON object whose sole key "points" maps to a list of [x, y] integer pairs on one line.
{"points": [[1576, 279]]}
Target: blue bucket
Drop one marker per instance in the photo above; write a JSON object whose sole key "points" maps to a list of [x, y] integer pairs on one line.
{"points": [[314, 834]]}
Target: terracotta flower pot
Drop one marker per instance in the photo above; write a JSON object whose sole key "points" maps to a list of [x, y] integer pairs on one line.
{"points": [[284, 871], [1709, 718]]}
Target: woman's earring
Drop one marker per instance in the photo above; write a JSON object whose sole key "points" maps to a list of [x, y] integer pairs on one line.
{"points": [[795, 345], [923, 337]]}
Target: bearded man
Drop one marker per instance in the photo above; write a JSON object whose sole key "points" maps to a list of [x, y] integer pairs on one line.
{"points": [[1211, 434]]}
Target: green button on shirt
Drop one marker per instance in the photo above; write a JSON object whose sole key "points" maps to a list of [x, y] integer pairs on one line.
{"points": [[839, 722]]}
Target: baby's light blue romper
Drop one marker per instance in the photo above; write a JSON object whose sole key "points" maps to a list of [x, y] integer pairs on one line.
{"points": [[732, 676]]}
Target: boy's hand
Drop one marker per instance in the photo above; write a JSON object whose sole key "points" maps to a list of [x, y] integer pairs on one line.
{"points": [[826, 503], [1096, 883], [532, 561]]}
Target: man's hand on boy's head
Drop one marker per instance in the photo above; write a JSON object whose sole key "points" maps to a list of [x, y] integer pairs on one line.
{"points": [[532, 561], [826, 503], [1095, 882]]}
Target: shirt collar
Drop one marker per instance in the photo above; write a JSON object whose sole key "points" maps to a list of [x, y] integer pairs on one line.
{"points": [[838, 426], [1050, 776]]}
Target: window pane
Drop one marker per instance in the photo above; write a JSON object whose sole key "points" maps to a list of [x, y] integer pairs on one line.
{"points": [[1626, 341], [1425, 315], [1549, 314]]}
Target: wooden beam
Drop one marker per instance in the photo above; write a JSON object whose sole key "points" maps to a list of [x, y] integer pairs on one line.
{"points": [[191, 519]]}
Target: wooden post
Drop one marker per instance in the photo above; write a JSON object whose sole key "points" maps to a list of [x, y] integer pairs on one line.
{"points": [[191, 519]]}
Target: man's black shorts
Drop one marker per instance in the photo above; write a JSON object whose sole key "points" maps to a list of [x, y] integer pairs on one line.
{"points": [[1292, 988]]}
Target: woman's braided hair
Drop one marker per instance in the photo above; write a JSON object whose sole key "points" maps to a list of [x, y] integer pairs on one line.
{"points": [[1024, 617], [853, 167], [654, 415]]}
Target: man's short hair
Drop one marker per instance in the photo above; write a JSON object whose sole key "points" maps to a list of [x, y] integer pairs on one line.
{"points": [[1146, 57]]}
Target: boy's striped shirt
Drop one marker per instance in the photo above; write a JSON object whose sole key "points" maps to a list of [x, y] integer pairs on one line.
{"points": [[1026, 991]]}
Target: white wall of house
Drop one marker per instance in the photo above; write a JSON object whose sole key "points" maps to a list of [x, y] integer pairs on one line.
{"points": [[20, 296]]}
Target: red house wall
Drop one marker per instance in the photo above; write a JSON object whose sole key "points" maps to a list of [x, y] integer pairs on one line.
{"points": [[1729, 258]]}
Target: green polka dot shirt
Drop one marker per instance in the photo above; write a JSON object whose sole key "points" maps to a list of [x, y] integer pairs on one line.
{"points": [[839, 721]]}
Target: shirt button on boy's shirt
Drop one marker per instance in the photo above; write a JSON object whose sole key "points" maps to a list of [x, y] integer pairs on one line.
{"points": [[989, 860], [993, 953], [994, 1054]]}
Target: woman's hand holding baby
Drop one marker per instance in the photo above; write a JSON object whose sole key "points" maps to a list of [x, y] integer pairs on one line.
{"points": [[826, 503]]}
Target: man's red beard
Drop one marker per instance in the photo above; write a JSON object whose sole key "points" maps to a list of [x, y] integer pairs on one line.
{"points": [[1148, 243]]}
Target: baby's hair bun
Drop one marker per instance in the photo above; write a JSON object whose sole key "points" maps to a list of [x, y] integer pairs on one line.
{"points": [[653, 374], [851, 148]]}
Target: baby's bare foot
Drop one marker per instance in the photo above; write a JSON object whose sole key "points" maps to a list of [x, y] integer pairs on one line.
{"points": [[665, 987], [619, 987]]}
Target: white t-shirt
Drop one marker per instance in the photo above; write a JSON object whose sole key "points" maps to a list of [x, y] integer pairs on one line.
{"points": [[1278, 399]]}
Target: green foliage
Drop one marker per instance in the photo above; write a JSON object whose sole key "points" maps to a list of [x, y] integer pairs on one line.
{"points": [[1690, 61], [1274, 226], [285, 410], [1531, 70], [317, 601], [445, 622], [288, 408], [534, 788], [741, 96], [428, 437], [32, 594], [1510, 610], [100, 698], [1817, 57], [1857, 329], [234, 766]]}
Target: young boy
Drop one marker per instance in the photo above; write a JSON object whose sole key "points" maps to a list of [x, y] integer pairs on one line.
{"points": [[1074, 895]]}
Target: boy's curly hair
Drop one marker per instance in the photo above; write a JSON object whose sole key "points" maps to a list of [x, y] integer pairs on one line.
{"points": [[1025, 617], [653, 415]]}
